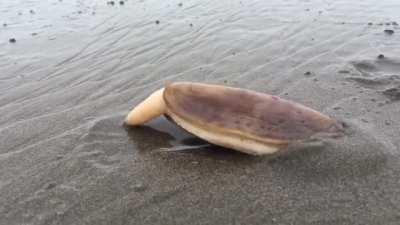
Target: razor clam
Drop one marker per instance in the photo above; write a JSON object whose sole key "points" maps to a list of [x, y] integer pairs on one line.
{"points": [[243, 120]]}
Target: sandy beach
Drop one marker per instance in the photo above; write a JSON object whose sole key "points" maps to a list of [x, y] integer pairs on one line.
{"points": [[71, 70]]}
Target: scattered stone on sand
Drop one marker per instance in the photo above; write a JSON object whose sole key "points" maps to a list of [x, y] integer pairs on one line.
{"points": [[381, 56], [34, 34], [50, 186], [157, 22], [387, 23], [31, 11], [389, 31], [12, 40], [387, 123], [191, 25], [315, 79], [337, 108], [110, 3], [344, 71], [4, 24], [364, 120], [392, 93], [380, 24], [180, 4], [370, 24], [308, 73], [394, 23], [139, 187], [79, 12], [121, 2]]}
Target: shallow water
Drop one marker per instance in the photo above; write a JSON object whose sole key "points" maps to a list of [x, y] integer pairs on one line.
{"points": [[77, 67]]}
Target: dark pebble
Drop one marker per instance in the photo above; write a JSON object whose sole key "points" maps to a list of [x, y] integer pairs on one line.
{"points": [[364, 120], [388, 31], [157, 22], [308, 73], [4, 24], [191, 25], [12, 40], [370, 24], [387, 122], [110, 3], [336, 108], [121, 2], [344, 71], [380, 24], [50, 186], [31, 11], [381, 56], [388, 24], [395, 23], [79, 12], [33, 34], [180, 4]]}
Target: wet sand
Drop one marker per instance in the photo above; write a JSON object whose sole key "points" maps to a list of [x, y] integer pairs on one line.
{"points": [[77, 67]]}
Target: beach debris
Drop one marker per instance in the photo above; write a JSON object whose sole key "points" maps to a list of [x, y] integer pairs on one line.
{"points": [[180, 4], [381, 56], [121, 2], [110, 3], [12, 40], [370, 23], [243, 120], [5, 24], [394, 23], [157, 22], [389, 31]]}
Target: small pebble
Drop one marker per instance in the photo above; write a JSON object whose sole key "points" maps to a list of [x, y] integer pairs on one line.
{"points": [[50, 186], [381, 56], [157, 22], [4, 24], [388, 24], [380, 104], [370, 24], [395, 23], [139, 187], [180, 4], [389, 31], [121, 2], [12, 40], [31, 11], [364, 120], [110, 3], [344, 71], [308, 73], [387, 122], [33, 34], [315, 79], [337, 108]]}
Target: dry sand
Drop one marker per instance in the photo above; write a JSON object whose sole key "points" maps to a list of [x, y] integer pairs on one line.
{"points": [[77, 68]]}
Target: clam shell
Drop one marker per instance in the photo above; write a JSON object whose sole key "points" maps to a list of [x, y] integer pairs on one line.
{"points": [[244, 120]]}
